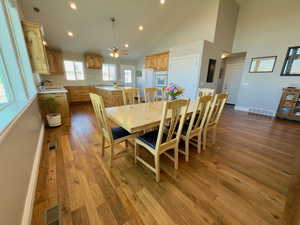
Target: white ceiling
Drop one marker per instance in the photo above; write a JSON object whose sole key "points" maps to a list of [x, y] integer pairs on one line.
{"points": [[92, 28]]}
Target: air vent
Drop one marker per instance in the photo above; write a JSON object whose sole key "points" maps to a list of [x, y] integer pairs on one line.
{"points": [[52, 216], [52, 145]]}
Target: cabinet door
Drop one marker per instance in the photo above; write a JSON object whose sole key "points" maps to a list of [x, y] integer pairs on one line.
{"points": [[93, 61], [165, 62], [147, 62], [36, 49], [55, 61]]}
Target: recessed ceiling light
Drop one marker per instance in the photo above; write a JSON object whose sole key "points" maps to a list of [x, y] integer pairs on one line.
{"points": [[162, 2], [70, 34], [73, 5], [45, 43], [141, 28], [126, 45]]}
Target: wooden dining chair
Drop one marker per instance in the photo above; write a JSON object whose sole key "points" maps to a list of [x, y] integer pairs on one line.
{"points": [[196, 124], [150, 95], [206, 92], [163, 93], [112, 136], [214, 115], [159, 141], [131, 96]]}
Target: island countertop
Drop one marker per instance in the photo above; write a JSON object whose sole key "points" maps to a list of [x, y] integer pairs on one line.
{"points": [[112, 88]]}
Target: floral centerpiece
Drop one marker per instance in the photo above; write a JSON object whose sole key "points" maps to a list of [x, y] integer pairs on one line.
{"points": [[174, 91]]}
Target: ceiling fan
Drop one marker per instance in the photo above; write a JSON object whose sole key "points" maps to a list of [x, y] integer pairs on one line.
{"points": [[115, 51]]}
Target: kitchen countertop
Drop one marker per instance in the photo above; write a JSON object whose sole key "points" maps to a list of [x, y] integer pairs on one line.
{"points": [[112, 88], [53, 91]]}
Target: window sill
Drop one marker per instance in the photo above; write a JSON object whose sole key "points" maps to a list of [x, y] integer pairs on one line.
{"points": [[10, 115]]}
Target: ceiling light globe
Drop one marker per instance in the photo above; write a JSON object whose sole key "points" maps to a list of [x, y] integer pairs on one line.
{"points": [[162, 2], [141, 28], [73, 5]]}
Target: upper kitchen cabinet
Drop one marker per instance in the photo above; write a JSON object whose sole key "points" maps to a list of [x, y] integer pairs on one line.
{"points": [[55, 61], [93, 61], [158, 62], [36, 49]]}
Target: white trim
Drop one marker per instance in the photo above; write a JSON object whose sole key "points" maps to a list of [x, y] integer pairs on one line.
{"points": [[28, 207], [241, 108], [6, 130]]}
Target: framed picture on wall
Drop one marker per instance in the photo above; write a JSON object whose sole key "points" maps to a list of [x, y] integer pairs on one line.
{"points": [[263, 64], [211, 70], [291, 66]]}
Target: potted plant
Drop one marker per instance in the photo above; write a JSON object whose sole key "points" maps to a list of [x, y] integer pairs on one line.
{"points": [[51, 108], [174, 91]]}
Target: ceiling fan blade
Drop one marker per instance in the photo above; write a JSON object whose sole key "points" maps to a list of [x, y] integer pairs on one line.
{"points": [[123, 52]]}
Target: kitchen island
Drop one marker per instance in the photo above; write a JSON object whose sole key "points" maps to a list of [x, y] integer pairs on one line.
{"points": [[112, 96]]}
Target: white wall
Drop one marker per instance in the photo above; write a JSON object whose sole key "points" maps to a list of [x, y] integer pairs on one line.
{"points": [[266, 28], [210, 51], [92, 76], [226, 24]]}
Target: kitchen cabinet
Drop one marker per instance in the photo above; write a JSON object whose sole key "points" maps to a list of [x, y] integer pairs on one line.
{"points": [[79, 93], [63, 107], [158, 62], [93, 61], [36, 49], [55, 61]]}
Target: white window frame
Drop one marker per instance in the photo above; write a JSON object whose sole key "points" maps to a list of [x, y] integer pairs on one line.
{"points": [[110, 76], [75, 71]]}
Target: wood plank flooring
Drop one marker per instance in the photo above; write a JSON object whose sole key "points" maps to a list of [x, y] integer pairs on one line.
{"points": [[242, 180]]}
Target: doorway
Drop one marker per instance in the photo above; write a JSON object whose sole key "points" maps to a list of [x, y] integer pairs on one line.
{"points": [[234, 66], [128, 75]]}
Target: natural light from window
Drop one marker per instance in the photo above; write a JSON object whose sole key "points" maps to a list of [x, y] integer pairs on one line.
{"points": [[3, 96], [128, 76], [74, 70], [109, 72]]}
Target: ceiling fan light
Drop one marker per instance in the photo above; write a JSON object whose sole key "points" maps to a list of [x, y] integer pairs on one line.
{"points": [[116, 55], [73, 5], [111, 54]]}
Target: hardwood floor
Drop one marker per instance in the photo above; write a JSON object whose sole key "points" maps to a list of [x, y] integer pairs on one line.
{"points": [[242, 180]]}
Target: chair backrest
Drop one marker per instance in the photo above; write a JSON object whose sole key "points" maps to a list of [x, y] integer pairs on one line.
{"points": [[199, 116], [206, 92], [150, 94], [101, 118], [163, 93], [174, 112], [216, 108], [130, 95]]}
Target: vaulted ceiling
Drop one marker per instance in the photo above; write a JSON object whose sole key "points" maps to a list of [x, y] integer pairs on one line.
{"points": [[92, 28]]}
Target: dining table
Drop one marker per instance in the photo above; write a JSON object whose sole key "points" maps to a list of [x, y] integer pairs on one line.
{"points": [[138, 117]]}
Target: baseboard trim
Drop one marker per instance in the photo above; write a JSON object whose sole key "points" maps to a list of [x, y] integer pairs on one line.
{"points": [[241, 108], [28, 207]]}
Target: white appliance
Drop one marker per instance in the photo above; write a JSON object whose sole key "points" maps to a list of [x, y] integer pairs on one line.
{"points": [[147, 80], [185, 72]]}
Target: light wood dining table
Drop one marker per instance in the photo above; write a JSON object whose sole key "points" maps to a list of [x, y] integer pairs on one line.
{"points": [[138, 117]]}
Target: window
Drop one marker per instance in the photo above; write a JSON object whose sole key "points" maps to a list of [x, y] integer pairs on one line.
{"points": [[3, 94], [74, 70], [109, 72], [262, 64], [128, 76], [292, 62]]}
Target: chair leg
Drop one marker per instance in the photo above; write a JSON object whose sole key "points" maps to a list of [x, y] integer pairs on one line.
{"points": [[111, 155], [187, 145], [214, 134], [176, 158], [102, 145], [157, 168], [204, 139], [135, 152], [199, 142]]}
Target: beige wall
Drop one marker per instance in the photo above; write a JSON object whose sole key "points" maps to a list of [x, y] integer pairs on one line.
{"points": [[17, 152], [226, 24], [92, 76], [266, 28]]}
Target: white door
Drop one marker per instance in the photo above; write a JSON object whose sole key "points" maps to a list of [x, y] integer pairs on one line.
{"points": [[128, 75], [184, 71], [232, 81]]}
